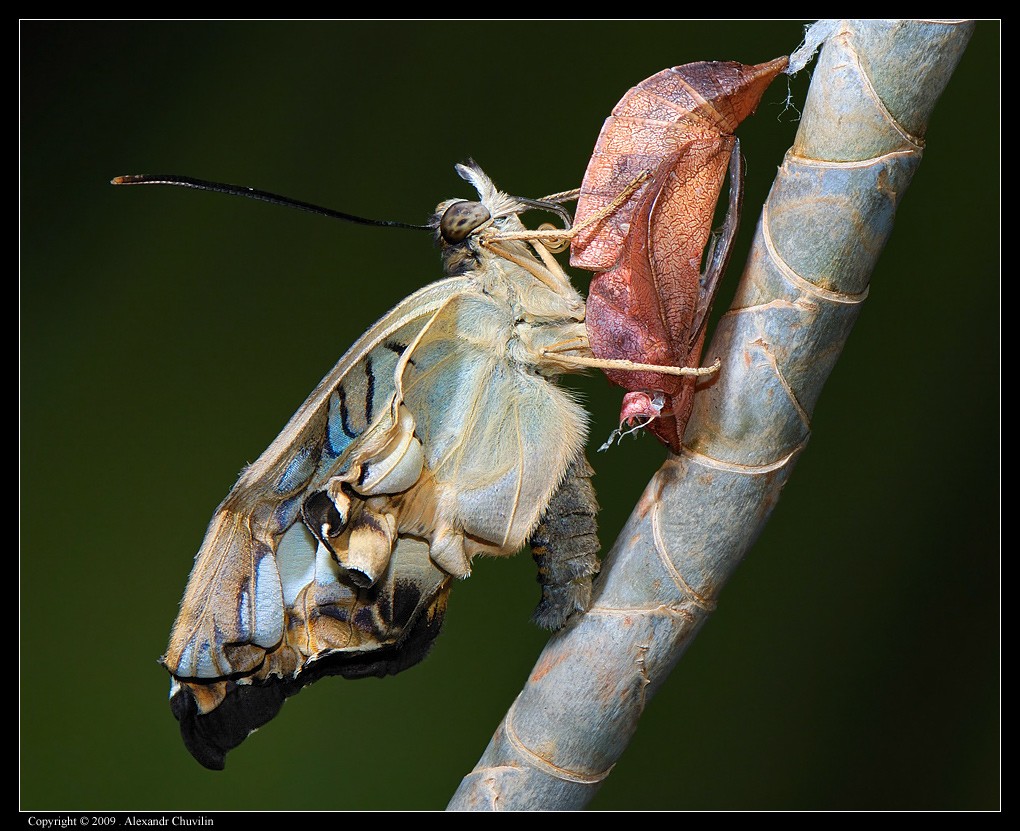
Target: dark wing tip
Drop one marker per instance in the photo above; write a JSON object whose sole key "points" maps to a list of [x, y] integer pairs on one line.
{"points": [[209, 737]]}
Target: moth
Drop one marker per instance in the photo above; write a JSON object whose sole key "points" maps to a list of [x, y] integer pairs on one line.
{"points": [[440, 436]]}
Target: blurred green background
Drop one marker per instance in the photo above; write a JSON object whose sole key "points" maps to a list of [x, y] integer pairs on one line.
{"points": [[167, 335]]}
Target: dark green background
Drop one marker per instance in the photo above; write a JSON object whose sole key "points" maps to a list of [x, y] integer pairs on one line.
{"points": [[167, 335]]}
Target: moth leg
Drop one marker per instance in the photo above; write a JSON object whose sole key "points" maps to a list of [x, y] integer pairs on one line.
{"points": [[623, 365], [721, 245], [575, 344], [556, 234], [565, 546], [563, 196]]}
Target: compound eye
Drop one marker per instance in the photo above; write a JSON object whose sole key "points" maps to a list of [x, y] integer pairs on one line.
{"points": [[460, 219]]}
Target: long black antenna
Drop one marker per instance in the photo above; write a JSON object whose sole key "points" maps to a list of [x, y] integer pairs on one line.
{"points": [[261, 195]]}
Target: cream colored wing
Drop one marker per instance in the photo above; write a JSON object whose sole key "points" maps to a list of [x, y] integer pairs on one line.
{"points": [[497, 436], [233, 610]]}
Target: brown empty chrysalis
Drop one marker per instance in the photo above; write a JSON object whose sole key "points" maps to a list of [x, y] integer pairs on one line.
{"points": [[650, 301]]}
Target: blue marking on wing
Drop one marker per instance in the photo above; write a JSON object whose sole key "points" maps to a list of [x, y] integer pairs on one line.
{"points": [[286, 512], [299, 469], [339, 434]]}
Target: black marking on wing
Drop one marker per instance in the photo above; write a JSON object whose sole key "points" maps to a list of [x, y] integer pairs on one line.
{"points": [[209, 737], [399, 348], [319, 512], [344, 423], [370, 378]]}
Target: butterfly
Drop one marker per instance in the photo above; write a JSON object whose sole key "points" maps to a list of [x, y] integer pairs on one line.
{"points": [[441, 435]]}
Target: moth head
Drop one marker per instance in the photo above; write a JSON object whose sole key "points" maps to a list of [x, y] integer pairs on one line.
{"points": [[457, 221], [460, 219]]}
